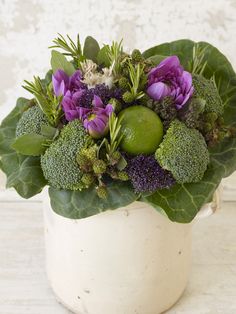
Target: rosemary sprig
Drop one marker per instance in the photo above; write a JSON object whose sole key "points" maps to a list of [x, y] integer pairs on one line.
{"points": [[71, 48], [198, 66], [115, 136], [115, 53], [135, 73], [49, 103]]}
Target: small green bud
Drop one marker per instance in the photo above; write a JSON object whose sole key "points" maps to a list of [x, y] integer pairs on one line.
{"points": [[220, 121], [116, 104], [87, 179], [221, 135], [211, 117], [90, 153], [101, 191], [99, 166], [128, 97], [115, 157], [122, 175], [82, 160], [123, 83], [207, 127], [136, 55]]}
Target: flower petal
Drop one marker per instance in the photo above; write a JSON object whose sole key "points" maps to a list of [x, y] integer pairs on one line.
{"points": [[97, 102], [158, 90]]}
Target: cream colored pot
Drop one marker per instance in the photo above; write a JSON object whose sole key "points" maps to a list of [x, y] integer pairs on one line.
{"points": [[132, 260]]}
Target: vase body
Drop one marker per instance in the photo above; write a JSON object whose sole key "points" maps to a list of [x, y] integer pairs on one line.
{"points": [[132, 260]]}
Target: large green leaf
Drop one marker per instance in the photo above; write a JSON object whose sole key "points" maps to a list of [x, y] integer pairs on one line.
{"points": [[30, 144], [59, 62], [75, 204], [91, 48], [182, 202], [23, 172]]}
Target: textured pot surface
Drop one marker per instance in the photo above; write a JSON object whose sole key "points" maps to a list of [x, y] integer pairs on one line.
{"points": [[132, 260]]}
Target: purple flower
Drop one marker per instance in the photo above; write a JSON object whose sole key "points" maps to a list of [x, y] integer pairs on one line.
{"points": [[169, 79], [96, 120], [69, 104], [147, 175], [62, 82]]}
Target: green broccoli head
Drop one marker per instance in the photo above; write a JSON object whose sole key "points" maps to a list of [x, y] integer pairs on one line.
{"points": [[59, 163], [31, 121], [207, 90], [184, 153]]}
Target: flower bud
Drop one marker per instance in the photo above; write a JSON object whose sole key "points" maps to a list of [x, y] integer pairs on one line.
{"points": [[99, 166], [101, 191]]}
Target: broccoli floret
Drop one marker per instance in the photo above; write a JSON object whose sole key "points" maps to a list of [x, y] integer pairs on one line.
{"points": [[59, 163], [31, 121], [184, 153], [207, 90]]}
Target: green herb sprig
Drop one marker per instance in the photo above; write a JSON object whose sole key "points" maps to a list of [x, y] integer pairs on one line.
{"points": [[49, 103], [198, 65], [71, 48]]}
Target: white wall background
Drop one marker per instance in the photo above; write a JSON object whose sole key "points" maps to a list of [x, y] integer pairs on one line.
{"points": [[27, 28]]}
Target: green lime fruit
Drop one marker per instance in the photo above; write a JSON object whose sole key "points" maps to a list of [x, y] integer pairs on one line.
{"points": [[142, 130]]}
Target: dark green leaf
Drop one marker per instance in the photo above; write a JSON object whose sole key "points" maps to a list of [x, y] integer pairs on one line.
{"points": [[30, 144], [156, 59], [76, 204], [103, 58], [182, 48], [59, 62], [91, 48], [182, 202], [23, 172], [48, 79]]}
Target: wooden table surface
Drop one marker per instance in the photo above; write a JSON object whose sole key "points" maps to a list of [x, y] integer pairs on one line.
{"points": [[24, 288]]}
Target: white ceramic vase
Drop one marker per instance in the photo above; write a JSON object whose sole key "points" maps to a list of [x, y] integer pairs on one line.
{"points": [[132, 260]]}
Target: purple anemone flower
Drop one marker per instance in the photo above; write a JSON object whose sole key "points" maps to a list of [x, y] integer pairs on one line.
{"points": [[169, 79], [96, 120], [62, 82]]}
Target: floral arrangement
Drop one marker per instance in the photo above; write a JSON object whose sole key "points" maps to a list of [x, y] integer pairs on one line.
{"points": [[105, 128]]}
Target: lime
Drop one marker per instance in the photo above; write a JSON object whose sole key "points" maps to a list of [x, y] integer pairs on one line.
{"points": [[142, 130]]}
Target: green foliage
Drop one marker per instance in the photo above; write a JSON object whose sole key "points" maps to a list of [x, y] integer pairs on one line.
{"points": [[59, 163], [114, 54], [31, 144], [99, 166], [136, 55], [85, 203], [136, 74], [47, 101], [206, 89], [70, 48], [59, 62], [23, 172], [184, 153], [31, 121], [182, 202], [112, 144], [103, 57], [91, 49]]}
